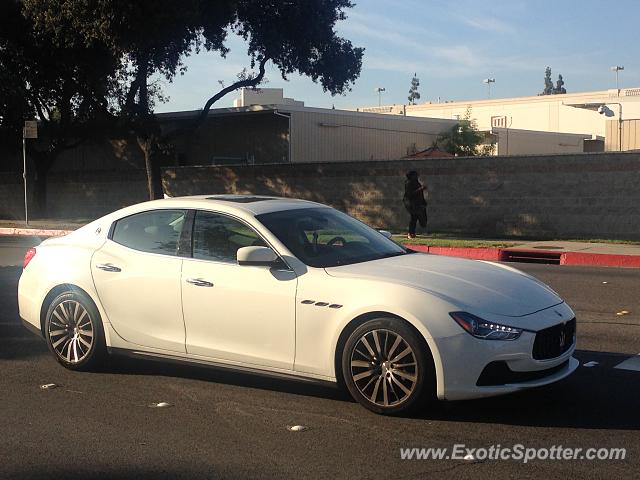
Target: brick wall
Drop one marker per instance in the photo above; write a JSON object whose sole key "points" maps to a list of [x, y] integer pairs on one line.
{"points": [[594, 195]]}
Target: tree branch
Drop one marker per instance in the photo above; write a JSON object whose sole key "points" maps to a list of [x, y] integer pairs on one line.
{"points": [[249, 82]]}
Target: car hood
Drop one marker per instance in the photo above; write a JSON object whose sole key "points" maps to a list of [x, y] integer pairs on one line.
{"points": [[473, 285]]}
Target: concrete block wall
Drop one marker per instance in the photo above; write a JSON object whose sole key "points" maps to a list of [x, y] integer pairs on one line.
{"points": [[558, 196], [76, 195]]}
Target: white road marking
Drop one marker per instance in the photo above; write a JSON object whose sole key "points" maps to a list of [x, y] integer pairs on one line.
{"points": [[591, 364], [632, 363]]}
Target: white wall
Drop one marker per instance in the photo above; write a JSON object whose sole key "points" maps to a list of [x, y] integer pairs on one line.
{"points": [[324, 135], [549, 113], [524, 142]]}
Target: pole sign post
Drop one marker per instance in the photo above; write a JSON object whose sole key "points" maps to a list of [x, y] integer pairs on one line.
{"points": [[30, 130]]}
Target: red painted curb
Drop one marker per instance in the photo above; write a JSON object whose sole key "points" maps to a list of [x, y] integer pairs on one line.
{"points": [[600, 259], [34, 232], [566, 258], [491, 254]]}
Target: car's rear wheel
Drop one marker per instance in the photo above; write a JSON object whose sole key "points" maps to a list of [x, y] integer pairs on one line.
{"points": [[73, 330], [386, 367]]}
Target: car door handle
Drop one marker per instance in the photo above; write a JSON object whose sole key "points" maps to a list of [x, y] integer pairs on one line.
{"points": [[198, 282], [107, 267]]}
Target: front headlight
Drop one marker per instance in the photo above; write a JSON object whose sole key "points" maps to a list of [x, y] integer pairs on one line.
{"points": [[480, 328]]}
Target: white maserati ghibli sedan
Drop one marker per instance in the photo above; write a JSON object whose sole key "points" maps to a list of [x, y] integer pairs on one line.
{"points": [[293, 288]]}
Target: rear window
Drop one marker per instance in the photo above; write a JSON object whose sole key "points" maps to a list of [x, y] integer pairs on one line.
{"points": [[156, 231]]}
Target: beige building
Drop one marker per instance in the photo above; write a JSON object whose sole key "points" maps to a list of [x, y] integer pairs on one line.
{"points": [[266, 127], [602, 115]]}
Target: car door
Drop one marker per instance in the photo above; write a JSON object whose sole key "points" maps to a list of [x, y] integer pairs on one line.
{"points": [[236, 313], [137, 277]]}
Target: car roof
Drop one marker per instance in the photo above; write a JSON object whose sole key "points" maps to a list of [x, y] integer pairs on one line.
{"points": [[253, 204]]}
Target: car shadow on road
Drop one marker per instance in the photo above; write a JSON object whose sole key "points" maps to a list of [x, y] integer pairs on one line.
{"points": [[16, 342], [597, 397], [135, 366], [601, 397]]}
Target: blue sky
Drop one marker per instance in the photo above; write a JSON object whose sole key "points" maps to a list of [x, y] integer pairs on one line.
{"points": [[452, 46]]}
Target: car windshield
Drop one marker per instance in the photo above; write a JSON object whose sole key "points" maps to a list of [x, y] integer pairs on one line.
{"points": [[324, 237]]}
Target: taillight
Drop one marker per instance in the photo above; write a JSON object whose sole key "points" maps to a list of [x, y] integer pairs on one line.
{"points": [[28, 256]]}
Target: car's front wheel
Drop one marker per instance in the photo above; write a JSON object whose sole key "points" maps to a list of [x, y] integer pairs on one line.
{"points": [[386, 367], [73, 330]]}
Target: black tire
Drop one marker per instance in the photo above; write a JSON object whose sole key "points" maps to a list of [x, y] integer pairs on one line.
{"points": [[390, 368], [72, 321]]}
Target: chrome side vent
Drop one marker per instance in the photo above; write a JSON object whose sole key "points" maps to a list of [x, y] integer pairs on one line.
{"points": [[321, 304]]}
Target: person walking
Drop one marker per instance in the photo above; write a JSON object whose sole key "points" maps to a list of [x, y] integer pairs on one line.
{"points": [[415, 202]]}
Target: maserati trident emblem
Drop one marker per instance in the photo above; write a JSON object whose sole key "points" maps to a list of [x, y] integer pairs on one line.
{"points": [[563, 339]]}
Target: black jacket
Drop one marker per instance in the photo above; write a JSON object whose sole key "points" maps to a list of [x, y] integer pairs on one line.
{"points": [[413, 197]]}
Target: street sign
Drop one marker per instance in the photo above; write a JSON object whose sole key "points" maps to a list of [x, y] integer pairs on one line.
{"points": [[30, 129]]}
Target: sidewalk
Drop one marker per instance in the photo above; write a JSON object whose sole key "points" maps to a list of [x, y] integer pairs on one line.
{"points": [[558, 252], [40, 228]]}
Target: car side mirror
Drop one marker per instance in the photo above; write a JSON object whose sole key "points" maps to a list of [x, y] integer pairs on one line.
{"points": [[257, 256], [385, 233]]}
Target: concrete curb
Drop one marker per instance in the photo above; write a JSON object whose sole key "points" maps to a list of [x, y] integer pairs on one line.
{"points": [[565, 258], [34, 232]]}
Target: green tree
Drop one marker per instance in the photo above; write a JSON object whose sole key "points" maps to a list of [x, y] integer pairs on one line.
{"points": [[559, 88], [152, 39], [548, 83], [413, 90], [464, 139], [57, 77]]}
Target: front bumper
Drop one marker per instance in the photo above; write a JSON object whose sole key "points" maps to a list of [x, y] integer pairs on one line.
{"points": [[476, 368]]}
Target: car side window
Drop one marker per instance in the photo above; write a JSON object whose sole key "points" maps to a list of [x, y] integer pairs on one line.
{"points": [[156, 231], [218, 237]]}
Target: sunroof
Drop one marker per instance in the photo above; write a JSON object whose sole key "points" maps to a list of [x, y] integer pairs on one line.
{"points": [[240, 199]]}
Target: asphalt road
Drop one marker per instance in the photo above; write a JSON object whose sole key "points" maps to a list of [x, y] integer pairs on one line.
{"points": [[228, 425]]}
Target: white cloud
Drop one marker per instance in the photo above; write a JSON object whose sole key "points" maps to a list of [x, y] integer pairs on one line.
{"points": [[489, 24]]}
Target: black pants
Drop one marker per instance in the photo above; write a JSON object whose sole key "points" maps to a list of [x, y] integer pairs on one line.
{"points": [[417, 216]]}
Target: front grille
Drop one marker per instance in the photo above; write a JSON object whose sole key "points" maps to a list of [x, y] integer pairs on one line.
{"points": [[554, 341], [498, 373]]}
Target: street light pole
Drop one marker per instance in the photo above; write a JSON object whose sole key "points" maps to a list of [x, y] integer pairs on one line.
{"points": [[620, 126], [617, 69], [489, 81], [379, 90]]}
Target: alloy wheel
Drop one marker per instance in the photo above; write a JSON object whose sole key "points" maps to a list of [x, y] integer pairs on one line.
{"points": [[71, 331], [384, 368]]}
